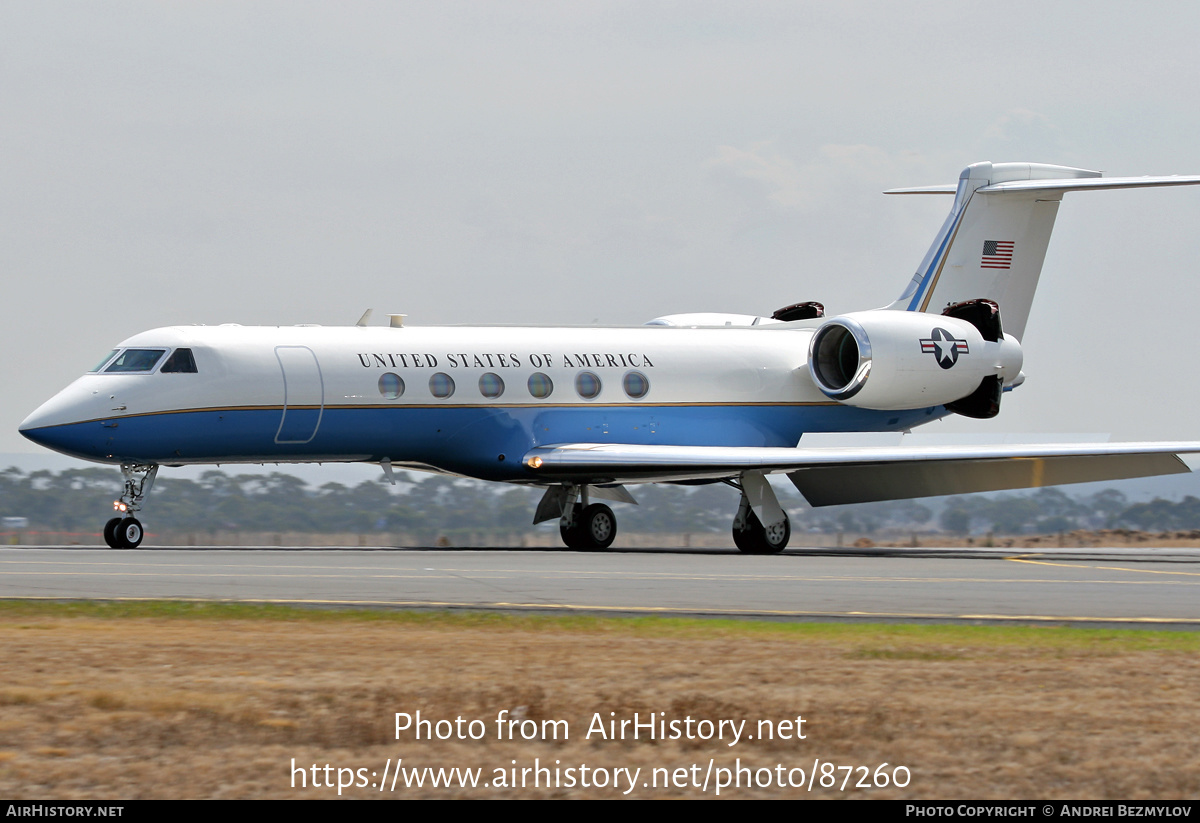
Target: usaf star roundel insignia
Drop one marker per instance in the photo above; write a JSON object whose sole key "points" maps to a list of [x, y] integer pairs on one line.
{"points": [[944, 347]]}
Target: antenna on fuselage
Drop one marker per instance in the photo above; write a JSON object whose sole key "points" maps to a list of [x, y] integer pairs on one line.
{"points": [[362, 321]]}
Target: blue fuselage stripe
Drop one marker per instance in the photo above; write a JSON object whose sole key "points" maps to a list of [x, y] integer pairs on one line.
{"points": [[466, 440]]}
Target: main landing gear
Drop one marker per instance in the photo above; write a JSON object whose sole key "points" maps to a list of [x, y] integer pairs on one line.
{"points": [[582, 524], [752, 537], [125, 530], [588, 526], [592, 526], [749, 533]]}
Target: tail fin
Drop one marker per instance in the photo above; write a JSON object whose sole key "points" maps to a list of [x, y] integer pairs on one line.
{"points": [[994, 240]]}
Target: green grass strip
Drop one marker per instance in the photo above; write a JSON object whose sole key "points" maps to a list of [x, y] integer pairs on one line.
{"points": [[862, 640]]}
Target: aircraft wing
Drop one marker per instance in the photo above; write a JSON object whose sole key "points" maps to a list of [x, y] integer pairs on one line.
{"points": [[831, 476]]}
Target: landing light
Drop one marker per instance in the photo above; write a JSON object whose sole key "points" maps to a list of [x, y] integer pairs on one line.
{"points": [[119, 506], [534, 463]]}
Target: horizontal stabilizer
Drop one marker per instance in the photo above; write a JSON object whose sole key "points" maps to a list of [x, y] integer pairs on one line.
{"points": [[857, 475], [1092, 184], [947, 188]]}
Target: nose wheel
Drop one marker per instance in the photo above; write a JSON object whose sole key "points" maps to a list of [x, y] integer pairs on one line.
{"points": [[123, 533], [110, 532]]}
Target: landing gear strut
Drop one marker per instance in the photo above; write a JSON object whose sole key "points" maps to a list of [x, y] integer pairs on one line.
{"points": [[125, 531]]}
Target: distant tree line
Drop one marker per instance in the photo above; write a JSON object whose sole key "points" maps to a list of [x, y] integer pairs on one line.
{"points": [[79, 500], [1050, 510]]}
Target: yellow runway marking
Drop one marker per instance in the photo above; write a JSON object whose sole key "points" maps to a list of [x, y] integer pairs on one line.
{"points": [[1023, 558]]}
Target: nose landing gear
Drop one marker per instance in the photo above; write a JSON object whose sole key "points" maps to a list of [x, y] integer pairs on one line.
{"points": [[125, 531]]}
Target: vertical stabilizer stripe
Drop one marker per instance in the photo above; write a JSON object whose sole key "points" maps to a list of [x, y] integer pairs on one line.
{"points": [[928, 283]]}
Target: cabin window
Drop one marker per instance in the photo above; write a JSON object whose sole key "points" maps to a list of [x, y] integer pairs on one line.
{"points": [[391, 386], [490, 385], [132, 360], [636, 384], [441, 385], [107, 357], [587, 384], [540, 385], [180, 362]]}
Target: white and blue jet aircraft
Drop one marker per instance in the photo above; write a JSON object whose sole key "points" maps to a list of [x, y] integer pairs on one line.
{"points": [[585, 412]]}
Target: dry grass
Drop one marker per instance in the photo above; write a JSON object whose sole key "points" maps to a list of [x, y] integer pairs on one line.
{"points": [[100, 706]]}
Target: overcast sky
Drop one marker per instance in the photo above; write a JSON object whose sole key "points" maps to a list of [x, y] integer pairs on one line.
{"points": [[289, 162]]}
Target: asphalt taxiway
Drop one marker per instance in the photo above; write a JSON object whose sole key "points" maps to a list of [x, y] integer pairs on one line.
{"points": [[1097, 586]]}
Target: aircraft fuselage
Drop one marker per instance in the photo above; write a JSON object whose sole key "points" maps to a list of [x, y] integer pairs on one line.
{"points": [[467, 400]]}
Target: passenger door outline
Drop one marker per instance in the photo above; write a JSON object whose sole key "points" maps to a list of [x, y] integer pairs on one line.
{"points": [[303, 394]]}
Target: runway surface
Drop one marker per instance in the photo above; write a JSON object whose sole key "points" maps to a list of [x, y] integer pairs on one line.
{"points": [[1149, 587]]}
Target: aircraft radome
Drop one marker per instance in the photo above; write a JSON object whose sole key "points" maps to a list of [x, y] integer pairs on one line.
{"points": [[584, 412]]}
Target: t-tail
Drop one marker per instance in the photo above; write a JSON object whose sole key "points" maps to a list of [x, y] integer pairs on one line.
{"points": [[994, 240]]}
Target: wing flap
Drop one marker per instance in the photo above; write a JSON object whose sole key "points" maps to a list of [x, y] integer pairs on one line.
{"points": [[833, 485]]}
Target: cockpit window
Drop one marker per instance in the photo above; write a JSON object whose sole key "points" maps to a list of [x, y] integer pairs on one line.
{"points": [[100, 365], [135, 360], [180, 362]]}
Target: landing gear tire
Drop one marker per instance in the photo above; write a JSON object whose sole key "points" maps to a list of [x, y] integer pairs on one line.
{"points": [[571, 537], [595, 527], [756, 539], [598, 525], [110, 533], [129, 533]]}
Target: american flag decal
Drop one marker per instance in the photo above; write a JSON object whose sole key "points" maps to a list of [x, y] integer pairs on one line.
{"points": [[997, 254]]}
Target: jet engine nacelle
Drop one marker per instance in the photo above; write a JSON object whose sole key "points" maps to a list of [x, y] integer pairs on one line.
{"points": [[891, 360]]}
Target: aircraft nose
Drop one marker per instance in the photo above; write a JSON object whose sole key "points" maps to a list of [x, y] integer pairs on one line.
{"points": [[36, 435], [54, 412], [61, 422], [41, 424], [32, 429], [32, 425]]}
